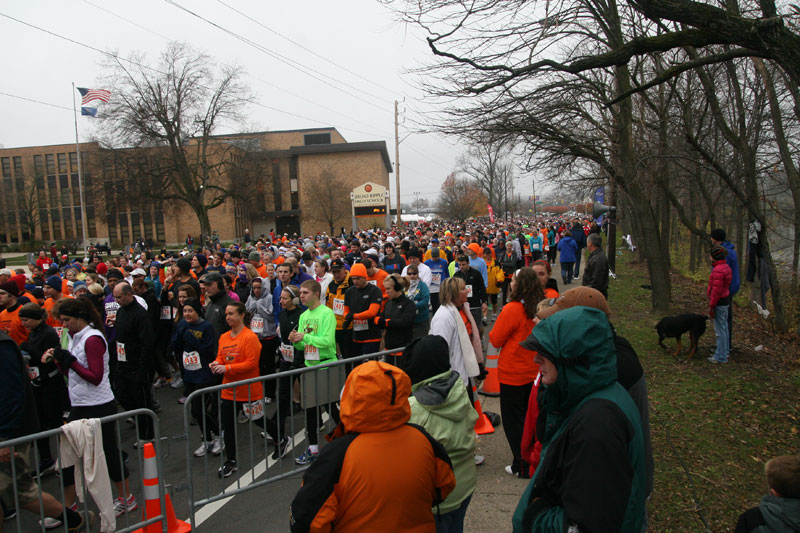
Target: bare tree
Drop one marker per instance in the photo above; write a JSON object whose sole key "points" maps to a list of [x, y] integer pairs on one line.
{"points": [[488, 165], [28, 207], [328, 196], [167, 115]]}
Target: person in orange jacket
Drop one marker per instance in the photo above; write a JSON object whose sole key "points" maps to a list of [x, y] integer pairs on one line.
{"points": [[357, 484]]}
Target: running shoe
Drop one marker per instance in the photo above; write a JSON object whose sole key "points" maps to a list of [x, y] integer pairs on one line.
{"points": [[242, 418], [217, 445], [177, 383], [307, 458], [84, 526], [479, 459], [204, 448], [47, 466], [282, 448], [161, 381], [124, 505], [182, 400], [228, 468]]}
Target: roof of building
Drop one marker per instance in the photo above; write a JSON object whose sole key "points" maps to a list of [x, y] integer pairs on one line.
{"points": [[367, 146]]}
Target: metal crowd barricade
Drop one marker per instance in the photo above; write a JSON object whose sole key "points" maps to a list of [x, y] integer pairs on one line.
{"points": [[320, 388], [27, 521]]}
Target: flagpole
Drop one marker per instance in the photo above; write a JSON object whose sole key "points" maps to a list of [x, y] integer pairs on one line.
{"points": [[80, 174]]}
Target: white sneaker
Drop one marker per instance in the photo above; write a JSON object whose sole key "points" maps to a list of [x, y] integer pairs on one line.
{"points": [[203, 449], [217, 446], [509, 470], [177, 383], [479, 459]]}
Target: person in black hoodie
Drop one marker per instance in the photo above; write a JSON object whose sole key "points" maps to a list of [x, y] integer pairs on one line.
{"points": [[397, 317], [135, 338], [49, 388], [217, 300]]}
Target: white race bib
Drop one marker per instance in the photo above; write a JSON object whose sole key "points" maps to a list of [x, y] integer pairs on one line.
{"points": [[111, 314], [360, 325], [33, 372], [311, 352], [121, 352], [257, 324], [287, 352], [253, 410], [436, 278], [338, 306], [469, 291], [373, 282], [536, 246], [166, 312], [191, 361], [547, 248]]}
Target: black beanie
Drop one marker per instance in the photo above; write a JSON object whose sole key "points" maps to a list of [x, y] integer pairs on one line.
{"points": [[718, 234], [114, 274], [184, 263], [425, 357], [202, 259], [32, 310], [194, 303], [54, 282]]}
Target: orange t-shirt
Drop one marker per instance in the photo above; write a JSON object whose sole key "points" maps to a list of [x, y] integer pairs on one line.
{"points": [[377, 280], [49, 303], [515, 364], [11, 324], [240, 355]]}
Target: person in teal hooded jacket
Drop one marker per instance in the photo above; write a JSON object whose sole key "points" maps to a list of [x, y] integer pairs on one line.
{"points": [[592, 471], [440, 404]]}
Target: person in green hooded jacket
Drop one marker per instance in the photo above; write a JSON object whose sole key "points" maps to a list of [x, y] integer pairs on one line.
{"points": [[592, 472], [440, 404]]}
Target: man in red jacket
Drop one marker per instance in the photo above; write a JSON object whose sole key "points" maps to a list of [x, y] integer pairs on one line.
{"points": [[719, 302]]}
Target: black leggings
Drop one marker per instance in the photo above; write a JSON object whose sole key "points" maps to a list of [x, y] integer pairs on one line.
{"points": [[117, 470], [275, 425], [513, 408], [204, 409], [229, 414], [266, 364]]}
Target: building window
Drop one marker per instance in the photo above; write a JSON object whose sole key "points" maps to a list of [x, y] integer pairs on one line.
{"points": [[6, 167], [18, 166], [135, 225], [44, 224], [73, 162], [63, 181], [62, 163], [276, 185], [147, 219], [38, 165], [317, 138], [51, 163], [90, 222], [111, 222], [124, 230], [161, 235]]}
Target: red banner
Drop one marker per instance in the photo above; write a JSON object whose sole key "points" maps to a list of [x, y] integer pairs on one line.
{"points": [[491, 213]]}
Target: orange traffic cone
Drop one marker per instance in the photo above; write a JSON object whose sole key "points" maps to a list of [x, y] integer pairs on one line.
{"points": [[483, 426], [152, 504], [491, 385]]}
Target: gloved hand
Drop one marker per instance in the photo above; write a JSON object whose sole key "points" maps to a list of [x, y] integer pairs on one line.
{"points": [[64, 358], [483, 372]]}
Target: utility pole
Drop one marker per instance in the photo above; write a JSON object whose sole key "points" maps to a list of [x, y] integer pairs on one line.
{"points": [[533, 182], [397, 161], [417, 195]]}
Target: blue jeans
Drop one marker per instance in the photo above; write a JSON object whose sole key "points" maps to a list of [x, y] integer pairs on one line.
{"points": [[453, 522], [721, 330], [578, 255]]}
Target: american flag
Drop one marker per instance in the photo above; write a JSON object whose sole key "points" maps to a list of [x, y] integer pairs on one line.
{"points": [[93, 94]]}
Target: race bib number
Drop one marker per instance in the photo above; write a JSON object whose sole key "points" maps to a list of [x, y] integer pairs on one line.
{"points": [[469, 291], [121, 357], [338, 306], [257, 324], [166, 312], [253, 410], [311, 352], [111, 314], [436, 278], [287, 352], [547, 248], [360, 325], [191, 361], [536, 246], [528, 249], [33, 372]]}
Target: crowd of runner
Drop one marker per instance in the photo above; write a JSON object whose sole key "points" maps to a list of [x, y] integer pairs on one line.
{"points": [[573, 394]]}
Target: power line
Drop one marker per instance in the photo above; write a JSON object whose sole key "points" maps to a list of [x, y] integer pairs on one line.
{"points": [[283, 59], [305, 48], [101, 8], [35, 101]]}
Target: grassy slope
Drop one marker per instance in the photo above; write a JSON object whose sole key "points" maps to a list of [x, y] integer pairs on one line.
{"points": [[722, 421]]}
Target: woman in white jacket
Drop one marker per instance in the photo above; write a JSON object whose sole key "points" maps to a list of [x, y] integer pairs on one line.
{"points": [[453, 321]]}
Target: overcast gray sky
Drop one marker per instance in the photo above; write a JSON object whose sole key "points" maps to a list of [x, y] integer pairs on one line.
{"points": [[361, 36]]}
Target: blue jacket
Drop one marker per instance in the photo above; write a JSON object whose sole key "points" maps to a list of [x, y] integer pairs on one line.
{"points": [[578, 235], [421, 298], [568, 248], [733, 262], [534, 240]]}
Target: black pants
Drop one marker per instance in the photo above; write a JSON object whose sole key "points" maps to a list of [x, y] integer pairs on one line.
{"points": [[266, 364], [163, 354], [204, 409], [364, 348], [566, 272], [513, 407], [116, 467], [50, 407], [134, 393], [434, 302], [506, 285], [230, 411], [312, 420], [275, 425]]}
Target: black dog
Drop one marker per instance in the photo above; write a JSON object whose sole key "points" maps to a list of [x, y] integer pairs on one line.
{"points": [[676, 325]]}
